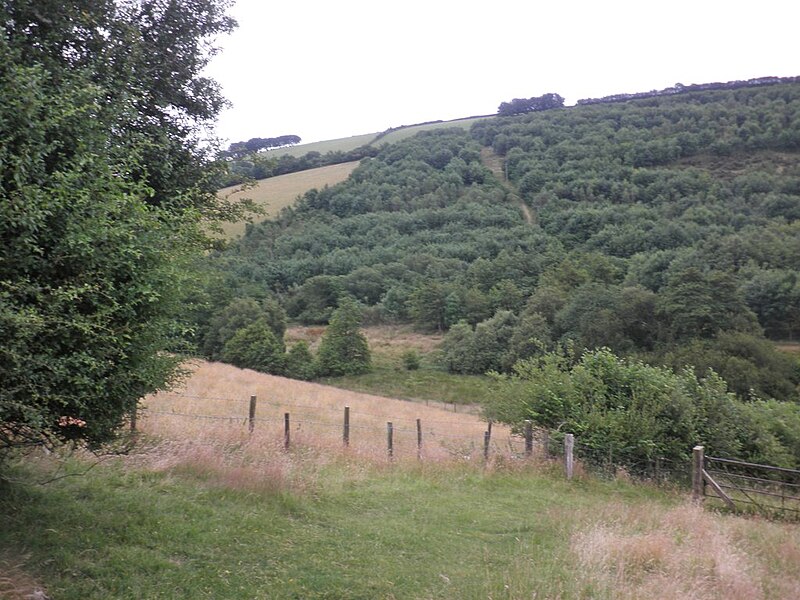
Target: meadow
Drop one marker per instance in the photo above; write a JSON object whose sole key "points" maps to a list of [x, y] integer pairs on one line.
{"points": [[275, 193], [200, 508]]}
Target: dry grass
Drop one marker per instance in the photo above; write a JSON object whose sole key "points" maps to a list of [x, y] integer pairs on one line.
{"points": [[203, 428], [686, 553], [383, 339], [16, 583], [275, 193]]}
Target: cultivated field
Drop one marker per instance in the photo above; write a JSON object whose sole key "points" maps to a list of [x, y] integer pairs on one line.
{"points": [[275, 193]]}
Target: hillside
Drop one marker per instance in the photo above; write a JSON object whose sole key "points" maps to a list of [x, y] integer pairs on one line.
{"points": [[201, 508], [664, 228], [275, 193]]}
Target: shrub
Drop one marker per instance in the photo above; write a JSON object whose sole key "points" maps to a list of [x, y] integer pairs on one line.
{"points": [[255, 347], [411, 360], [344, 349]]}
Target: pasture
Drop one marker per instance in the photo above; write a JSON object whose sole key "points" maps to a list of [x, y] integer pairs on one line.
{"points": [[275, 193], [198, 508], [338, 145]]}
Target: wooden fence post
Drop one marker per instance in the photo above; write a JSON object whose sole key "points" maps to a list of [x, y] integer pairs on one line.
{"points": [[133, 416], [569, 444], [546, 443], [528, 437], [286, 431], [389, 438], [419, 439], [251, 417], [346, 432], [487, 436], [698, 460]]}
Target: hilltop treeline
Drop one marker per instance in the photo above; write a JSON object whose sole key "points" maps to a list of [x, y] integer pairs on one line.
{"points": [[666, 229], [679, 88], [240, 149], [520, 106]]}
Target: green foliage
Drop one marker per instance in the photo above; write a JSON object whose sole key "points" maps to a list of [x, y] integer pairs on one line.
{"points": [[411, 360], [630, 413], [300, 362], [102, 185], [240, 313], [255, 347], [657, 222], [344, 349], [751, 365]]}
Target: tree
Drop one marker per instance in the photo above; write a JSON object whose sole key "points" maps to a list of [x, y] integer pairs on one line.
{"points": [[255, 347], [343, 349], [103, 184]]}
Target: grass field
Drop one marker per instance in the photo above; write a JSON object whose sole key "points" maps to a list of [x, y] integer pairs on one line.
{"points": [[207, 511], [275, 193], [389, 377], [338, 145]]}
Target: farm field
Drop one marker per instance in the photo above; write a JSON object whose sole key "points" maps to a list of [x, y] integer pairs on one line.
{"points": [[275, 193], [338, 145], [206, 511]]}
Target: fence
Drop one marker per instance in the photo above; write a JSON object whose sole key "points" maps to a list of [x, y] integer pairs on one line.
{"points": [[746, 487], [404, 436]]}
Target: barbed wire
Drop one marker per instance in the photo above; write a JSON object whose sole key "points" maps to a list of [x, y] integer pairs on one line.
{"points": [[318, 408], [339, 426]]}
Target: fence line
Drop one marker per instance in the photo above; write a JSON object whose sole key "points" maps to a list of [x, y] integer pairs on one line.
{"points": [[767, 489], [308, 406], [558, 446]]}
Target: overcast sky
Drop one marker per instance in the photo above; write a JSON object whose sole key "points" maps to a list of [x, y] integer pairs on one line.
{"points": [[325, 69]]}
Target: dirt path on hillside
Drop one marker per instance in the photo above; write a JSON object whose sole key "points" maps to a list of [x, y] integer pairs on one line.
{"points": [[494, 162]]}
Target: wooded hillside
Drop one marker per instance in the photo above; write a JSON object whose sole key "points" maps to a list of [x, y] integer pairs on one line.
{"points": [[664, 227]]}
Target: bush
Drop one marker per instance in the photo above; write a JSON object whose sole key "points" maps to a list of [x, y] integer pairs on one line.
{"points": [[411, 360], [255, 347], [300, 362], [344, 349], [630, 413]]}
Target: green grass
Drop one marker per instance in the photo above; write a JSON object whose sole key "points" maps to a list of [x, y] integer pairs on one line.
{"points": [[390, 378], [425, 532], [407, 132], [340, 145]]}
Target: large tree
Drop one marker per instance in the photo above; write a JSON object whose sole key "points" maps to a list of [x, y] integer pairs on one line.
{"points": [[104, 196]]}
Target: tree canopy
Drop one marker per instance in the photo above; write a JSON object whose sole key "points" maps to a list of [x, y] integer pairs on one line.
{"points": [[105, 189]]}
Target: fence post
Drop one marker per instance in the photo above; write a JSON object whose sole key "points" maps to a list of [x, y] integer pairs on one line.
{"points": [[528, 437], [134, 415], [251, 418], [389, 438], [698, 461], [546, 443], [419, 439], [487, 436], [569, 444], [286, 431], [346, 432]]}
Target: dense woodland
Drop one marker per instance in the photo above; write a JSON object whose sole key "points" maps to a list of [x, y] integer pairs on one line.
{"points": [[664, 228]]}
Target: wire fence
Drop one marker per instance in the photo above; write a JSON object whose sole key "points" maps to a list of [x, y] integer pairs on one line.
{"points": [[422, 432]]}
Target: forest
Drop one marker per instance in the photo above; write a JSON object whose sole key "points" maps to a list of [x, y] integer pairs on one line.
{"points": [[664, 229]]}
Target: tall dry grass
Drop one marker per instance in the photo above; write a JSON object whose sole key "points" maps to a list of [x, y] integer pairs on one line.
{"points": [[686, 553], [203, 428]]}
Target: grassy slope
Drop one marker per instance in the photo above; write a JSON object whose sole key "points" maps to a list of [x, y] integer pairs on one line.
{"points": [[340, 145], [389, 377], [209, 512], [275, 193]]}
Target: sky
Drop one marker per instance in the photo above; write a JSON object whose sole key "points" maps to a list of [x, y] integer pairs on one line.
{"points": [[330, 69]]}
